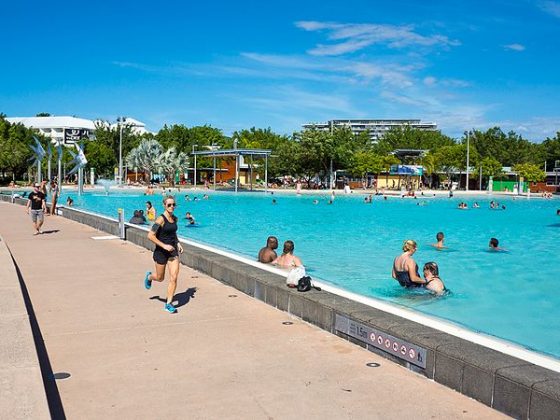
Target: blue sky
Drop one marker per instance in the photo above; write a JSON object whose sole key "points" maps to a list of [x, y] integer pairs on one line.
{"points": [[279, 64]]}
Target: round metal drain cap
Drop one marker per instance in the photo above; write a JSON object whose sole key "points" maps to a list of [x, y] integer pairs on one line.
{"points": [[373, 364], [287, 323], [61, 375]]}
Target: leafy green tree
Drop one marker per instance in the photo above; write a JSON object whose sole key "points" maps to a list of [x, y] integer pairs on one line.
{"points": [[551, 150], [101, 157], [529, 171], [364, 162], [406, 137], [15, 152], [490, 167]]}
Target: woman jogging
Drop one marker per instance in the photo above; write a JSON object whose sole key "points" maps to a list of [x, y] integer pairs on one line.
{"points": [[164, 234]]}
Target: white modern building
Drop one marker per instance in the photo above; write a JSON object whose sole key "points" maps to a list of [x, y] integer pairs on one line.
{"points": [[376, 128], [68, 130], [61, 130]]}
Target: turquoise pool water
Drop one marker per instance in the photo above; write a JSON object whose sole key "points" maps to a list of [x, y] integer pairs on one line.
{"points": [[511, 295]]}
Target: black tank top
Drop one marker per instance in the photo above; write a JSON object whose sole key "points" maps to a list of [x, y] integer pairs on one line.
{"points": [[168, 232]]}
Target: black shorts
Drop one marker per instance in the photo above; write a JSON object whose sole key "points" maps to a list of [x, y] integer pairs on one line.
{"points": [[161, 256]]}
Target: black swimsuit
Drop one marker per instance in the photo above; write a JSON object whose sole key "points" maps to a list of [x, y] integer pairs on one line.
{"points": [[403, 277], [168, 235]]}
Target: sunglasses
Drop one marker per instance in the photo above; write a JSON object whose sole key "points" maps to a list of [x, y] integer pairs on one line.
{"points": [[171, 205]]}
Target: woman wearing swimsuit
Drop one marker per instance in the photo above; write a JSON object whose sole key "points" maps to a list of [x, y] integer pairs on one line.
{"points": [[164, 234], [405, 269], [431, 274], [287, 259]]}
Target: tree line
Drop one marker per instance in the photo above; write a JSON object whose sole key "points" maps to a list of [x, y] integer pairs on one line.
{"points": [[305, 154]]}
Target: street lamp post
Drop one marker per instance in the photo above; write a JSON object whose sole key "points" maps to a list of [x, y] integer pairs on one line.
{"points": [[194, 179], [120, 121], [467, 182]]}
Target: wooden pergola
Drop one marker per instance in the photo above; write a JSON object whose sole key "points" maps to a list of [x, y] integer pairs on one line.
{"points": [[259, 153]]}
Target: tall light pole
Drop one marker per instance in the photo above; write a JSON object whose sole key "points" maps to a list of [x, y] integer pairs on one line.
{"points": [[120, 121], [467, 183], [194, 179]]}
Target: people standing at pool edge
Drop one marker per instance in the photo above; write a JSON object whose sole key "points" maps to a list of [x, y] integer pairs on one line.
{"points": [[36, 206], [164, 235], [405, 269], [433, 281], [267, 254]]}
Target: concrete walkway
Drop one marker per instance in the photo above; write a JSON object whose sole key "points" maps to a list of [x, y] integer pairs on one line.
{"points": [[223, 355]]}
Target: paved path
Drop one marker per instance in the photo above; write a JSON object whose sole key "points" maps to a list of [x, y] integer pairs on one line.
{"points": [[223, 355]]}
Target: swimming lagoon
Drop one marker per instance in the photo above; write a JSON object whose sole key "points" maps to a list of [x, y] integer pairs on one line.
{"points": [[351, 244]]}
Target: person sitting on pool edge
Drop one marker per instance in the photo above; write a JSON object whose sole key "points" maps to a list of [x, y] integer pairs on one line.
{"points": [[405, 269], [433, 281], [494, 245], [439, 244], [267, 254]]}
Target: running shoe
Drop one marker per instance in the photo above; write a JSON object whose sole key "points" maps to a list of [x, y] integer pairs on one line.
{"points": [[170, 308], [147, 281]]}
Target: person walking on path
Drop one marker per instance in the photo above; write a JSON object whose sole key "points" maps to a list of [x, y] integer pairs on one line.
{"points": [[164, 235], [38, 206]]}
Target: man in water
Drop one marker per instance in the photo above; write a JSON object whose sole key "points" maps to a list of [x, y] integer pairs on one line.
{"points": [[439, 244], [268, 253], [38, 208]]}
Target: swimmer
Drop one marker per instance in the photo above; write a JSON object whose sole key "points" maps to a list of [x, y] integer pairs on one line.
{"points": [[439, 238], [433, 282], [494, 245], [405, 269], [476, 205], [267, 254], [190, 218], [273, 201], [69, 202], [317, 202], [205, 197]]}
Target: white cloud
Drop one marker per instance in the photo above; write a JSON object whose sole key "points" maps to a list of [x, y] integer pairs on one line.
{"points": [[353, 37], [550, 7], [430, 81], [514, 47]]}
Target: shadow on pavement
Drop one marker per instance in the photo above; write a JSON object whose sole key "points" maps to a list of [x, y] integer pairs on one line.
{"points": [[182, 298]]}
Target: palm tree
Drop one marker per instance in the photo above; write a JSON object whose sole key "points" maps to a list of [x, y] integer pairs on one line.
{"points": [[169, 162], [145, 156]]}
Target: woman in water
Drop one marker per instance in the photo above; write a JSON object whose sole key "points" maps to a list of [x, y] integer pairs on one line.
{"points": [[164, 234], [150, 211], [405, 269], [433, 282], [287, 259]]}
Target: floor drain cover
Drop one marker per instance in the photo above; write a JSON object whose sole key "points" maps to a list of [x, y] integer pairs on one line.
{"points": [[232, 295], [287, 323], [373, 364], [61, 375]]}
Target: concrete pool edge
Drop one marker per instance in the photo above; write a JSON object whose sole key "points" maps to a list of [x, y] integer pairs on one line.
{"points": [[508, 384]]}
